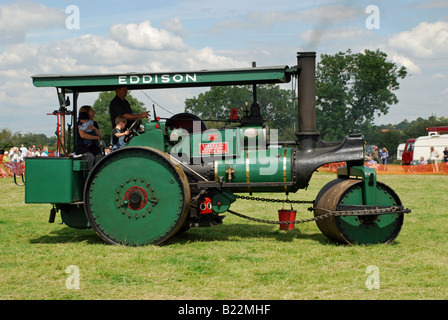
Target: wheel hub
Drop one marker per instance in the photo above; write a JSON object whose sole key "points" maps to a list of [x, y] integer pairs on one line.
{"points": [[136, 198]]}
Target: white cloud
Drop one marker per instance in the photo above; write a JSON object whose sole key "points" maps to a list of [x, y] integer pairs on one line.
{"points": [[19, 18], [175, 26], [85, 53], [91, 54], [439, 76], [427, 40], [206, 58], [95, 54], [145, 36], [406, 62]]}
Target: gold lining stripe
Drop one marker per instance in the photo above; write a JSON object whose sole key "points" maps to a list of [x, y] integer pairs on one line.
{"points": [[284, 168], [248, 170]]}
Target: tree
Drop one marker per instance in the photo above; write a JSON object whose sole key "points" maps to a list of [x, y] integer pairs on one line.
{"points": [[418, 127], [352, 88], [276, 105], [215, 104], [101, 108], [8, 139]]}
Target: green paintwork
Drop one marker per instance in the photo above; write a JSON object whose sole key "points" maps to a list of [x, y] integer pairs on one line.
{"points": [[54, 180], [221, 201], [368, 175], [155, 125], [153, 138], [73, 215], [382, 229], [150, 80], [165, 187], [266, 166]]}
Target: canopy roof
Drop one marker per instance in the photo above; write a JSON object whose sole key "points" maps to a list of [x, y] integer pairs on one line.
{"points": [[202, 78]]}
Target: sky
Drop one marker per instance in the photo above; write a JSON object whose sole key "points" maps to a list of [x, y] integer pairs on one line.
{"points": [[95, 36]]}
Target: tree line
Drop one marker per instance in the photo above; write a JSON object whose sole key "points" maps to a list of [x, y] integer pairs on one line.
{"points": [[9, 139]]}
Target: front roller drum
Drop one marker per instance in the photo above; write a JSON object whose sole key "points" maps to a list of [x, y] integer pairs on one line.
{"points": [[353, 229], [136, 196]]}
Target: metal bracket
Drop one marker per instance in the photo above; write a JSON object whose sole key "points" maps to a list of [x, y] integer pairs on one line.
{"points": [[368, 175]]}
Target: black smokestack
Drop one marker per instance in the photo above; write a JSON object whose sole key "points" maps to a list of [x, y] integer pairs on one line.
{"points": [[306, 62]]}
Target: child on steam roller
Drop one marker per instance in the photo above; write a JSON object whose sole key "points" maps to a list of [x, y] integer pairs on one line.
{"points": [[87, 125], [119, 133]]}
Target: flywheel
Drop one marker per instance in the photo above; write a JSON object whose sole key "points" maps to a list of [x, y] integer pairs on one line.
{"points": [[136, 196], [357, 229]]}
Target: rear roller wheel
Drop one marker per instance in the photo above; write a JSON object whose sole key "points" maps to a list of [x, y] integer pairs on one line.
{"points": [[136, 196], [368, 229]]}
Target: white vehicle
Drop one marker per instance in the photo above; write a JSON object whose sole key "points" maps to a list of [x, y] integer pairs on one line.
{"points": [[423, 144], [400, 151]]}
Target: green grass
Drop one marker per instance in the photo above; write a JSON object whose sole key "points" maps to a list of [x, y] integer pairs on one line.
{"points": [[237, 260]]}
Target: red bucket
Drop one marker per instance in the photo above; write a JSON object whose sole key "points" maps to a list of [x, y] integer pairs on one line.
{"points": [[286, 216]]}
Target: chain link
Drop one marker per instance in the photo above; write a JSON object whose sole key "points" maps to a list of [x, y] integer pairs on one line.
{"points": [[329, 213], [273, 200]]}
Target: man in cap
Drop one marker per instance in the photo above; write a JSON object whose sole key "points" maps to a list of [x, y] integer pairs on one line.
{"points": [[119, 106]]}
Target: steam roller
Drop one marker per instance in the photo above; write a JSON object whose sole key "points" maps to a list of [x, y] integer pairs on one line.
{"points": [[175, 173]]}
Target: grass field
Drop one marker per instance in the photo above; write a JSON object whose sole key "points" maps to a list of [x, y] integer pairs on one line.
{"points": [[237, 260]]}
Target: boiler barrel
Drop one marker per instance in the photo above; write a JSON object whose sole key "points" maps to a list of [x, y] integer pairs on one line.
{"points": [[267, 170]]}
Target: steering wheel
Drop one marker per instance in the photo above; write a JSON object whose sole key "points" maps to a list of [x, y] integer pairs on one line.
{"points": [[133, 130]]}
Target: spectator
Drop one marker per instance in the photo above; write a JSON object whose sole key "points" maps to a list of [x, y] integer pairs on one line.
{"points": [[422, 164], [384, 155], [374, 154], [4, 156], [44, 152], [434, 158], [14, 155], [372, 164], [24, 151]]}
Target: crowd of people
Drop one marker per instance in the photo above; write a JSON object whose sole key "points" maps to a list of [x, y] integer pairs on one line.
{"points": [[378, 158], [16, 154], [13, 161], [434, 159]]}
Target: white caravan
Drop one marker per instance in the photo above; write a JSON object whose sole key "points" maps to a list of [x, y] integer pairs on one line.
{"points": [[422, 147]]}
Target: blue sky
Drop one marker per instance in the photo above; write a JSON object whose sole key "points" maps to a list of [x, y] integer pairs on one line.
{"points": [[169, 35]]}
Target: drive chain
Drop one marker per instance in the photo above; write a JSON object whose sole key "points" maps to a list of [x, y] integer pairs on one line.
{"points": [[273, 200], [329, 213]]}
